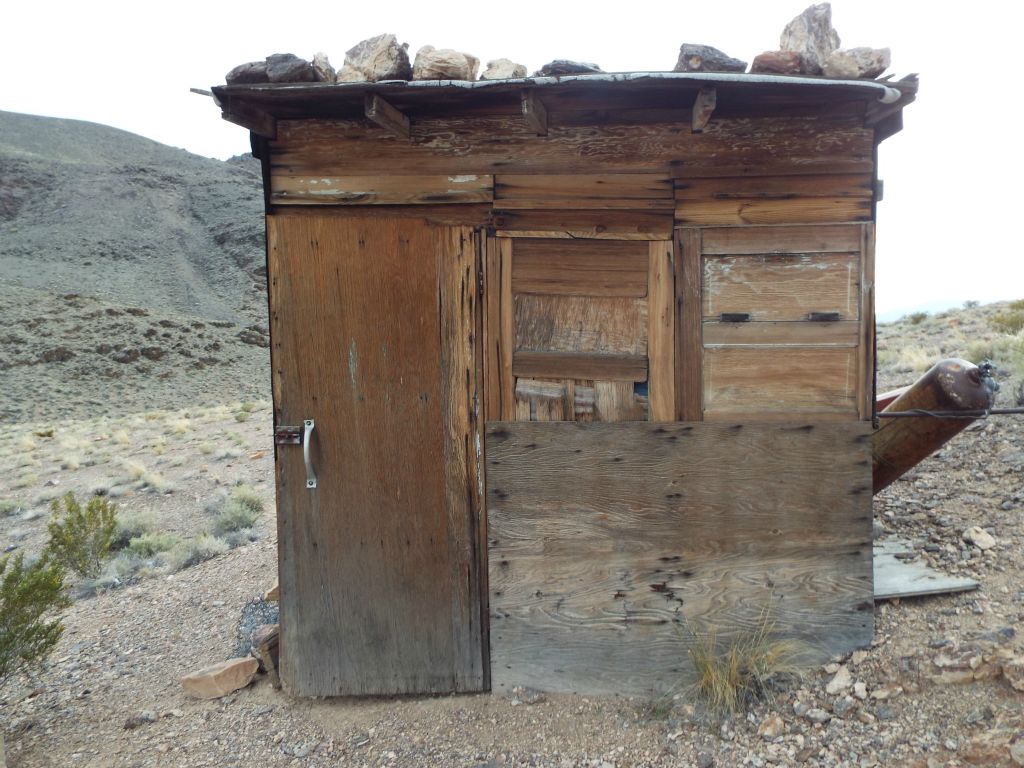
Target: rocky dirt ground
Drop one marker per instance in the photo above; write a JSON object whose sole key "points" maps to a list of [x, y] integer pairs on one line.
{"points": [[935, 688]]}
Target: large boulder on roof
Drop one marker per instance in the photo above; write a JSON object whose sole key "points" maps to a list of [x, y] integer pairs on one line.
{"points": [[704, 58], [375, 59], [776, 63], [503, 69], [444, 64], [322, 68], [850, 63], [811, 35], [560, 67], [289, 68], [248, 73]]}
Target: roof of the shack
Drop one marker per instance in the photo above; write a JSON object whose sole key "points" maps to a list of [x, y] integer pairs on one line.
{"points": [[258, 106]]}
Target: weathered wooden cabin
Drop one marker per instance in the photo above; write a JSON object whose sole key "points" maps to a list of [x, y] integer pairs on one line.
{"points": [[566, 371]]}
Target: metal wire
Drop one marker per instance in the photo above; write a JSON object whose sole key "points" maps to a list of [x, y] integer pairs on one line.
{"points": [[917, 412]]}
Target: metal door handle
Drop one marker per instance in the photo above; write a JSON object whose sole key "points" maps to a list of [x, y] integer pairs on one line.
{"points": [[307, 433]]}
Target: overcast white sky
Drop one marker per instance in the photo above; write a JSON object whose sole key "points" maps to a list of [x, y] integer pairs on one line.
{"points": [[946, 229]]}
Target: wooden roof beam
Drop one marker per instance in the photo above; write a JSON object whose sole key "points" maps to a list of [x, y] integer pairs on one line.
{"points": [[387, 116], [535, 113], [703, 107], [248, 116]]}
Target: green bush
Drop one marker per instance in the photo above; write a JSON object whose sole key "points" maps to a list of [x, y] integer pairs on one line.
{"points": [[83, 538], [130, 526], [195, 551], [916, 318], [1010, 321], [241, 511], [28, 597], [149, 544]]}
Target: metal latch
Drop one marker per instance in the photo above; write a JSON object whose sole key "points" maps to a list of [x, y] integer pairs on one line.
{"points": [[299, 436]]}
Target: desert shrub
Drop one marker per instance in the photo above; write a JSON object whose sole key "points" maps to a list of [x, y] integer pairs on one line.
{"points": [[129, 527], [81, 539], [971, 304], [1018, 395], [9, 507], [30, 596], [746, 669], [240, 512], [151, 544], [1009, 321], [241, 537], [242, 416], [916, 318], [195, 551], [1016, 305]]}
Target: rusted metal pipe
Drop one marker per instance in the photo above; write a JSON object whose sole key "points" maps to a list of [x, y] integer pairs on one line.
{"points": [[900, 444]]}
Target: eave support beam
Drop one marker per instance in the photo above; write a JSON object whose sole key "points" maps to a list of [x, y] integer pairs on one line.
{"points": [[535, 113], [703, 107], [248, 116], [387, 116]]}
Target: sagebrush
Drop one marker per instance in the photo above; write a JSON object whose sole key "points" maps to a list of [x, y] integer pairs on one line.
{"points": [[30, 598], [80, 539]]}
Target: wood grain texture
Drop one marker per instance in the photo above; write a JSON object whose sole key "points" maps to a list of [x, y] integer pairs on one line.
{"points": [[569, 365], [689, 344], [782, 287], [661, 382], [845, 333], [365, 558], [867, 313], [836, 238], [583, 224], [506, 319], [580, 267], [584, 191], [381, 190], [495, 144], [852, 185], [794, 210], [610, 544], [601, 325], [456, 252], [617, 401], [751, 382]]}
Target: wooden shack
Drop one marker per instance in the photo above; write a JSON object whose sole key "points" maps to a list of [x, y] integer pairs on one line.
{"points": [[567, 371]]}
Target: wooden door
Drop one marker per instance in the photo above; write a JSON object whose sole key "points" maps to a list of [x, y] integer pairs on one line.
{"points": [[373, 327]]}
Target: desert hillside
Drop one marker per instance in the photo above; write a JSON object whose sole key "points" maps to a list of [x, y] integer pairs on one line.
{"points": [[134, 368]]}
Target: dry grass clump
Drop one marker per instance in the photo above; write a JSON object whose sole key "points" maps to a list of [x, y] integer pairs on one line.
{"points": [[737, 673], [239, 513], [195, 551]]}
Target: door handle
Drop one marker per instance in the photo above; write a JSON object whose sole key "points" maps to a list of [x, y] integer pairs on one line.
{"points": [[307, 432]]}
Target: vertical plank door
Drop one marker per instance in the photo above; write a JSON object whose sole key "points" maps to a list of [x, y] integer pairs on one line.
{"points": [[373, 337]]}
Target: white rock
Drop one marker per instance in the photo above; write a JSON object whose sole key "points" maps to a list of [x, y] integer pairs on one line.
{"points": [[860, 690], [811, 35], [503, 69], [444, 64], [979, 537], [842, 680], [854, 63], [220, 679], [322, 67], [377, 58]]}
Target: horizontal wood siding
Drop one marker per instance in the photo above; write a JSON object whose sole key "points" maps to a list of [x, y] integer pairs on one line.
{"points": [[288, 189], [600, 325], [750, 382], [584, 191], [580, 267], [493, 145], [612, 545]]}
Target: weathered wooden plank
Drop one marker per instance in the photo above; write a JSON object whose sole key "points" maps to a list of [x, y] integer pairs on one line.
{"points": [[534, 112], [767, 211], [838, 238], [703, 108], [456, 259], [611, 546], [782, 287], [506, 309], [688, 332], [584, 224], [386, 116], [381, 190], [746, 382], [580, 268], [356, 348], [617, 401], [542, 401], [601, 325], [460, 214], [771, 167], [494, 144], [867, 314], [584, 191], [855, 185], [661, 332], [568, 365], [845, 333]]}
